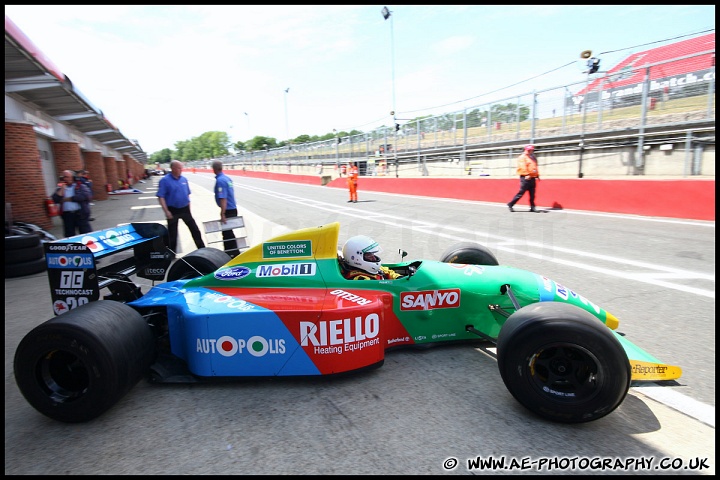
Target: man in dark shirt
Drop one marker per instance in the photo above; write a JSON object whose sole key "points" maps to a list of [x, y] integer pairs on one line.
{"points": [[74, 198], [174, 197], [225, 199]]}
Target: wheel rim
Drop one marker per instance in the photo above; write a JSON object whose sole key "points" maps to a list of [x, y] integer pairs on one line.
{"points": [[566, 373], [62, 376]]}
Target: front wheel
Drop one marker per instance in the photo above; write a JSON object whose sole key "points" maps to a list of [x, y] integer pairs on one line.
{"points": [[562, 363], [198, 263], [469, 253], [74, 367]]}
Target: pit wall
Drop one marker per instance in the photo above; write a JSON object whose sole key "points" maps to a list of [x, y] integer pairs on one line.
{"points": [[680, 198]]}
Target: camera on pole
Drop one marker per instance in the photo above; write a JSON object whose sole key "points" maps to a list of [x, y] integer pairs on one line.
{"points": [[593, 65]]}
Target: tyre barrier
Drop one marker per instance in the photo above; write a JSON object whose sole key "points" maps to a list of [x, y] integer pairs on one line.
{"points": [[24, 255]]}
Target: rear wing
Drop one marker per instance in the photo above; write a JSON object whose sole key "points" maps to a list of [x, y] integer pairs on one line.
{"points": [[132, 249]]}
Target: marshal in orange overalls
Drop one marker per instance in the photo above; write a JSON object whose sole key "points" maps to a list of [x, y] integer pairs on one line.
{"points": [[352, 181]]}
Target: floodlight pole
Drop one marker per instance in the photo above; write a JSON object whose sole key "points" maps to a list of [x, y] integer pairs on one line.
{"points": [[386, 13], [337, 152], [287, 130], [582, 127]]}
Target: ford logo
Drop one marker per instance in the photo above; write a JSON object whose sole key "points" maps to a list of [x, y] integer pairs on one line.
{"points": [[232, 273]]}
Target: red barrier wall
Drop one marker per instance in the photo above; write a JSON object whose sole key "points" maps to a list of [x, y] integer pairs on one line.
{"points": [[683, 198]]}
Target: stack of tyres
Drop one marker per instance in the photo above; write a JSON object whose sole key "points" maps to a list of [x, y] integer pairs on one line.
{"points": [[24, 255]]}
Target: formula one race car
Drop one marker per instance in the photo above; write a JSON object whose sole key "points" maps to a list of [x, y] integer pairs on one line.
{"points": [[283, 308]]}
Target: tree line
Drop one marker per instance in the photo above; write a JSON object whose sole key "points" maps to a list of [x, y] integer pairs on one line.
{"points": [[216, 144]]}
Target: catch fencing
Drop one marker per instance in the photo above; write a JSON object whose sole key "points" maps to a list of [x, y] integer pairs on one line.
{"points": [[666, 103]]}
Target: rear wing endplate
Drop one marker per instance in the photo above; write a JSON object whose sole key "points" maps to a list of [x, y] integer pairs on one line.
{"points": [[72, 263]]}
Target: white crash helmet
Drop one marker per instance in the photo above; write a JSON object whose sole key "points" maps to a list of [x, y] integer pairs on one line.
{"points": [[362, 252]]}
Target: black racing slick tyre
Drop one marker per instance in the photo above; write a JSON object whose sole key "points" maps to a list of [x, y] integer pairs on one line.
{"points": [[74, 367], [16, 242], [469, 253], [198, 263], [23, 269], [24, 254], [562, 363]]}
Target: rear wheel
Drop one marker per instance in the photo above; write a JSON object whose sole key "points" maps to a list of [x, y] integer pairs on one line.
{"points": [[469, 253], [74, 367], [562, 363], [198, 263]]}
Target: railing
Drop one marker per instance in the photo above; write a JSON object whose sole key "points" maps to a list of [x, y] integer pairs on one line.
{"points": [[637, 100]]}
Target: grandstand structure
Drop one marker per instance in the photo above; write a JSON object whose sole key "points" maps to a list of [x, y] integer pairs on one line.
{"points": [[681, 69]]}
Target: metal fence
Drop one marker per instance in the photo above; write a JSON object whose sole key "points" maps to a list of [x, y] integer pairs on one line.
{"points": [[673, 93]]}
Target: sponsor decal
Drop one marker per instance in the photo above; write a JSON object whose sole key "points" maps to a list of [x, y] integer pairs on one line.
{"points": [[60, 307], [113, 239], [228, 346], [234, 303], [232, 273], [397, 340], [442, 335], [469, 270], [430, 299], [339, 336], [64, 247], [286, 270], [641, 370], [563, 293], [297, 248], [92, 243], [351, 297], [69, 261], [116, 239], [155, 271], [648, 369]]}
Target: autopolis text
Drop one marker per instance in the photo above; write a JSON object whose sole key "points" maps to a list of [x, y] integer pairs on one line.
{"points": [[549, 464], [227, 346], [338, 336]]}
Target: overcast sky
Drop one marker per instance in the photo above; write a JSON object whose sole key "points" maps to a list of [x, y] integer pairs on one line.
{"points": [[162, 74]]}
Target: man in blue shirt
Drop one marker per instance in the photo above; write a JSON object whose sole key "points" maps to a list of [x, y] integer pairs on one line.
{"points": [[225, 199], [174, 197]]}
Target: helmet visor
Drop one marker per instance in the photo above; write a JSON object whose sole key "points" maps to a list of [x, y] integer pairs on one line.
{"points": [[370, 257]]}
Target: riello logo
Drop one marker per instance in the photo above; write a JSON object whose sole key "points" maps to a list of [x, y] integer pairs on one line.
{"points": [[227, 346], [431, 299], [337, 332]]}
